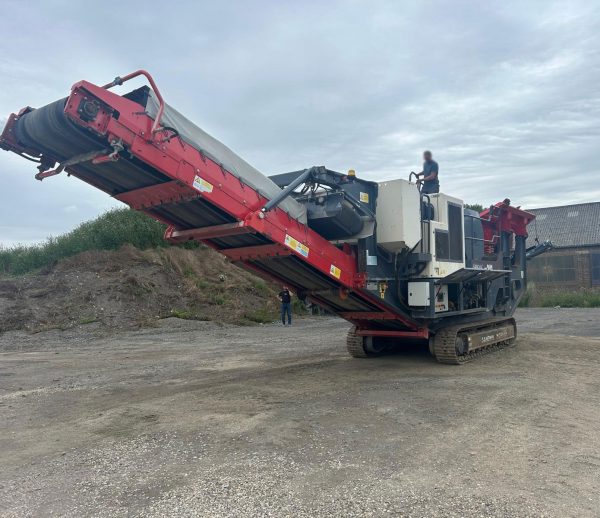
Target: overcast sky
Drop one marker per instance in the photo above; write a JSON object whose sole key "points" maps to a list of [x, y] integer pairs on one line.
{"points": [[506, 94]]}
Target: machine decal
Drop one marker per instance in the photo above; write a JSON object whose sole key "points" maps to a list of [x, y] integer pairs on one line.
{"points": [[202, 185], [364, 197], [335, 271], [295, 245]]}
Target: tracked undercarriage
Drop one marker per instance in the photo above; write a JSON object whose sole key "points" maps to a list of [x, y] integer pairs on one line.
{"points": [[452, 345]]}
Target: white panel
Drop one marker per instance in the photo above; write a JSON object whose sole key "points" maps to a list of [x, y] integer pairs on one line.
{"points": [[440, 206], [437, 267], [418, 294], [398, 215]]}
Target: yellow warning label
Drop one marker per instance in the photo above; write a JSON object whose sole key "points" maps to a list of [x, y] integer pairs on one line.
{"points": [[335, 271], [202, 185], [382, 289], [364, 197], [294, 244]]}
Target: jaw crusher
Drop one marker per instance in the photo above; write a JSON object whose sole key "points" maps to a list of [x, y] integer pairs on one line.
{"points": [[397, 264]]}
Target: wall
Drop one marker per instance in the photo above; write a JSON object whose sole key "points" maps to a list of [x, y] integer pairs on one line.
{"points": [[566, 268]]}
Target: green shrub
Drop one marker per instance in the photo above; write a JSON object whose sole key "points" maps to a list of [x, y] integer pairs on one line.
{"points": [[188, 271], [528, 297], [219, 300], [576, 299], [201, 284], [183, 314], [298, 306], [110, 231], [261, 316], [525, 301], [261, 287], [583, 298]]}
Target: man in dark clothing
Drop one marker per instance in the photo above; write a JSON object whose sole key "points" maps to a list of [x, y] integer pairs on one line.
{"points": [[286, 305], [430, 181]]}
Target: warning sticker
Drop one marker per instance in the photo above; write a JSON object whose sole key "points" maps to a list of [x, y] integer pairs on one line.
{"points": [[364, 197], [202, 185], [335, 271], [294, 244]]}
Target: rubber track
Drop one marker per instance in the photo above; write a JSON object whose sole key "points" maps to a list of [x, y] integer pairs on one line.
{"points": [[445, 342], [354, 343]]}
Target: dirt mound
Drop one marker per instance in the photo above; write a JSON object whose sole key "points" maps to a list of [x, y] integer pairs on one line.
{"points": [[131, 287]]}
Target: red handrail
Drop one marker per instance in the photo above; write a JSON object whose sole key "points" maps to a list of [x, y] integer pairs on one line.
{"points": [[161, 108]]}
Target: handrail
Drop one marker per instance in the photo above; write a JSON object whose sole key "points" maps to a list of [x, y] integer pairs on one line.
{"points": [[489, 241], [428, 220], [416, 175], [161, 108]]}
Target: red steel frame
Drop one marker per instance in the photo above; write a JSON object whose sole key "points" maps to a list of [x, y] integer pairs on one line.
{"points": [[502, 217], [144, 138]]}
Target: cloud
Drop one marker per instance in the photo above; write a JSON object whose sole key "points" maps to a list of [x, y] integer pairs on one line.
{"points": [[505, 94]]}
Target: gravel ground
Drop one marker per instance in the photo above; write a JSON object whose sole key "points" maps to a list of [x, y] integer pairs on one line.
{"points": [[199, 419]]}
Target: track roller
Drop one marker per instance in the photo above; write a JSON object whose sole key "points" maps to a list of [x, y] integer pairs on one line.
{"points": [[363, 346], [463, 343]]}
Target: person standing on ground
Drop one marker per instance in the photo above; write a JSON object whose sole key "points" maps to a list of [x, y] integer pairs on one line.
{"points": [[286, 305], [430, 180]]}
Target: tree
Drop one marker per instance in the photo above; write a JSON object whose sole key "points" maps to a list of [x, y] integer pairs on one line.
{"points": [[474, 206]]}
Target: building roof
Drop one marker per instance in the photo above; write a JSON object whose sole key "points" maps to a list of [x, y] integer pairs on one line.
{"points": [[566, 226]]}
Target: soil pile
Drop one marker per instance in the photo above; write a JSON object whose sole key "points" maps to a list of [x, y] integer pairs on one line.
{"points": [[131, 288]]}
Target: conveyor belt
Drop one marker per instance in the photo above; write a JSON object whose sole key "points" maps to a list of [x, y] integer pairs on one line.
{"points": [[52, 133], [48, 130]]}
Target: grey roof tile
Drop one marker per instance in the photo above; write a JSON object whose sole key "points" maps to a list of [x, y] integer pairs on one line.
{"points": [[566, 226]]}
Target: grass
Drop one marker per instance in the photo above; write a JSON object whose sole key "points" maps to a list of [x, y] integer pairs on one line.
{"points": [[189, 272], [110, 231], [88, 320], [217, 299], [183, 314], [261, 316], [583, 298], [187, 314], [576, 299], [135, 287], [201, 284], [298, 306], [261, 288], [526, 299]]}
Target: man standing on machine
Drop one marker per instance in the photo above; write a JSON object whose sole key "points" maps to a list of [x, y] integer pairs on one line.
{"points": [[286, 305], [430, 181]]}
